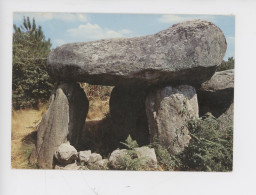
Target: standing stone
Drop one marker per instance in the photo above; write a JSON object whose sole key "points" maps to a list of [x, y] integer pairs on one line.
{"points": [[62, 122], [188, 52], [128, 113], [217, 94], [168, 110]]}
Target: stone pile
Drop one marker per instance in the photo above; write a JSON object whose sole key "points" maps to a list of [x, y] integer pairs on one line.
{"points": [[155, 79], [66, 157]]}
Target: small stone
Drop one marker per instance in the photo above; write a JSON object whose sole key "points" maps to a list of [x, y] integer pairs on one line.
{"points": [[147, 155], [66, 154], [115, 156], [94, 157], [98, 165], [84, 156]]}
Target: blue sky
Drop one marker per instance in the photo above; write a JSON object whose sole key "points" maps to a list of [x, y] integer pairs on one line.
{"points": [[64, 28]]}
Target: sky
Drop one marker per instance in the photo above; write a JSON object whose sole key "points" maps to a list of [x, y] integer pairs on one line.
{"points": [[64, 28]]}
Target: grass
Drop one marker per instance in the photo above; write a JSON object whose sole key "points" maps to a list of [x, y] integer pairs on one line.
{"points": [[24, 135], [24, 124]]}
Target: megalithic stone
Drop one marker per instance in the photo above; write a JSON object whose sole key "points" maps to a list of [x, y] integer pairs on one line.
{"points": [[217, 94], [62, 122], [168, 111], [186, 53]]}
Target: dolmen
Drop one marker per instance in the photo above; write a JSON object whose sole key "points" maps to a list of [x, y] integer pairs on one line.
{"points": [[156, 78]]}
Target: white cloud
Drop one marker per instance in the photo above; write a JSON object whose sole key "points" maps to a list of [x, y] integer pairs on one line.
{"points": [[89, 32], [172, 19], [41, 16]]}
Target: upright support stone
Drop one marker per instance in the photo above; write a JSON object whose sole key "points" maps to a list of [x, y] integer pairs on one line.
{"points": [[128, 113], [62, 122], [168, 110]]}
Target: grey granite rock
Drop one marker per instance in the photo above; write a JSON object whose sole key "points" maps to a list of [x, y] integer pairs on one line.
{"points": [[186, 53], [217, 94], [84, 156], [147, 155], [62, 122], [168, 111], [65, 154]]}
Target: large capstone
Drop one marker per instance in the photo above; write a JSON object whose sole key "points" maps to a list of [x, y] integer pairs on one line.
{"points": [[128, 113], [186, 53], [62, 122], [168, 111], [217, 94]]}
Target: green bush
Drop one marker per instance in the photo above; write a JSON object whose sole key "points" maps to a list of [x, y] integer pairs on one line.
{"points": [[210, 149], [164, 158], [130, 160], [226, 65], [31, 83]]}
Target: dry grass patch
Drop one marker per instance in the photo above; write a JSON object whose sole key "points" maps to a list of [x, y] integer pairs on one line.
{"points": [[23, 137]]}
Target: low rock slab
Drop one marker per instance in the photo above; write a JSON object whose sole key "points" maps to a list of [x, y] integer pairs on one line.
{"points": [[168, 111], [217, 94], [186, 53]]}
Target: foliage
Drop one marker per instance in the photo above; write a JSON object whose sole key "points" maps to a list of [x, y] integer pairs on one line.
{"points": [[226, 65], [210, 149], [96, 92], [164, 157], [31, 83], [130, 160], [130, 143]]}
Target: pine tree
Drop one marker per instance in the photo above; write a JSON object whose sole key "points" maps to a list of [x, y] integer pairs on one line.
{"points": [[31, 83]]}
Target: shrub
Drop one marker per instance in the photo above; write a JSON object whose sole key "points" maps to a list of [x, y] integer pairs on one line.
{"points": [[31, 83], [226, 65], [210, 149], [130, 160], [164, 158]]}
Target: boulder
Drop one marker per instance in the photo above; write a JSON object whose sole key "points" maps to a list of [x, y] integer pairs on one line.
{"points": [[147, 155], [115, 157], [226, 119], [72, 166], [186, 53], [128, 113], [65, 154], [84, 156], [217, 94], [168, 110], [62, 122], [94, 157]]}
